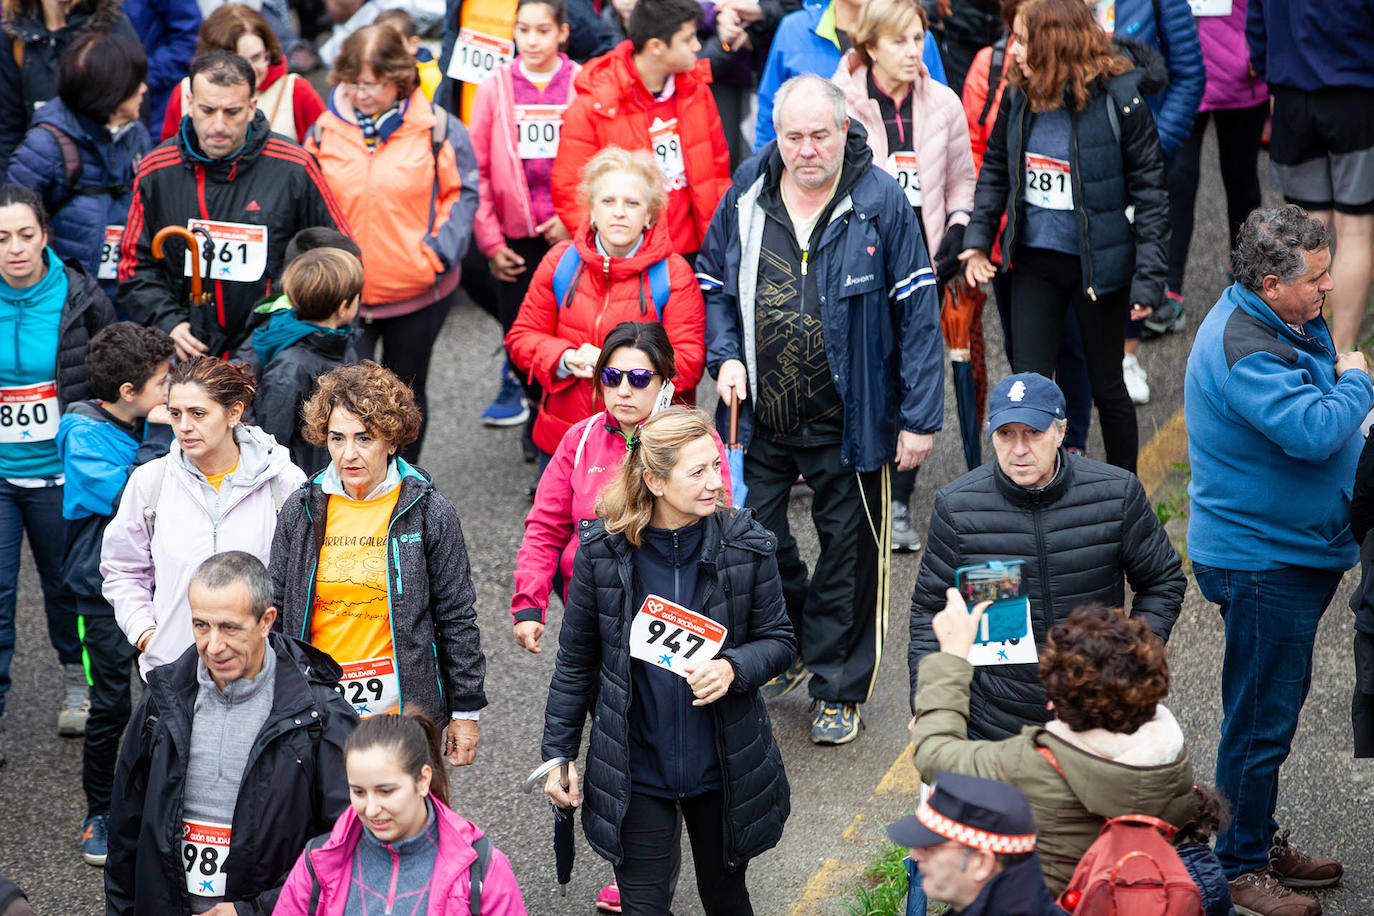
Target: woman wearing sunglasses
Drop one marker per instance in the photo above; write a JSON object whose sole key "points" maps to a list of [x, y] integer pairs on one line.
{"points": [[633, 370], [614, 269]]}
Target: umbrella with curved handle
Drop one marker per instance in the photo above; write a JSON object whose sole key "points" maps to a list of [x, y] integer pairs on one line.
{"points": [[734, 456], [564, 849], [198, 295]]}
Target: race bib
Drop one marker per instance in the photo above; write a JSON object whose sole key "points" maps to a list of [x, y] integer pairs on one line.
{"points": [[537, 128], [1048, 184], [476, 56], [109, 253], [240, 254], [902, 166], [667, 148], [668, 635], [29, 413], [204, 847], [1210, 7], [1104, 11], [988, 649], [371, 686]]}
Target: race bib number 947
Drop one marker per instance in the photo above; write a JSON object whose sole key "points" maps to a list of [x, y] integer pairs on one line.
{"points": [[669, 636]]}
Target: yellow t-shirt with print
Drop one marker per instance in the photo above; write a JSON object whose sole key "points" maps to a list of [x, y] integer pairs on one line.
{"points": [[215, 480]]}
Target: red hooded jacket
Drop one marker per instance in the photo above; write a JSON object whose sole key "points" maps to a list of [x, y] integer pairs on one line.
{"points": [[607, 292]]}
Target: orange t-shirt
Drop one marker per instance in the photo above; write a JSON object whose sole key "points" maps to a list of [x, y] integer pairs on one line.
{"points": [[215, 480], [351, 615]]}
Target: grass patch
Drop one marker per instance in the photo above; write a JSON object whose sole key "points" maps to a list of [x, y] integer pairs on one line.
{"points": [[881, 889]]}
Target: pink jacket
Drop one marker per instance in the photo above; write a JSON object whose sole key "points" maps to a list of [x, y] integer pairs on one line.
{"points": [[448, 887], [503, 211], [941, 144], [1227, 59], [586, 460]]}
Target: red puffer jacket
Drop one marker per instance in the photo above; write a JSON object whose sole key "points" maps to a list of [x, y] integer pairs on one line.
{"points": [[613, 108], [608, 291]]}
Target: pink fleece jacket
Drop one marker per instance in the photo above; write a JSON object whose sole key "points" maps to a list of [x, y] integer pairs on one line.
{"points": [[586, 460], [504, 210], [1227, 58], [941, 144], [448, 887]]}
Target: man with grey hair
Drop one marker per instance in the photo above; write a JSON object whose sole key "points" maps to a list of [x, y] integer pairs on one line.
{"points": [[822, 324], [233, 759], [1273, 413]]}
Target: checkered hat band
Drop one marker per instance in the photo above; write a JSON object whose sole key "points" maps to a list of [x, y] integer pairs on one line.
{"points": [[971, 836]]}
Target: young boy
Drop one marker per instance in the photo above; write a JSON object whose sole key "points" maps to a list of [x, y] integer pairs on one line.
{"points": [[99, 441], [650, 93], [430, 74], [313, 335]]}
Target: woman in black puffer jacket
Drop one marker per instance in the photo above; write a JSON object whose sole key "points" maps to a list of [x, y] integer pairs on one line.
{"points": [[699, 741], [1074, 160]]}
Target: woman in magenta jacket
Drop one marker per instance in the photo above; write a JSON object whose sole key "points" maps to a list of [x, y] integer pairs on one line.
{"points": [[400, 843], [633, 372]]}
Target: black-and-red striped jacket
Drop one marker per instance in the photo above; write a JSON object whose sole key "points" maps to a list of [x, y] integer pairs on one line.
{"points": [[272, 182]]}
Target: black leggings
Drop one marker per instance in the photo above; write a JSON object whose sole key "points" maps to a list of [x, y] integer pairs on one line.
{"points": [[1043, 285], [407, 345], [649, 839], [1238, 143]]}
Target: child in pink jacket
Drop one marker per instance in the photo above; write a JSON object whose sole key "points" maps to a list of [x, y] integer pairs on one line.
{"points": [[399, 848]]}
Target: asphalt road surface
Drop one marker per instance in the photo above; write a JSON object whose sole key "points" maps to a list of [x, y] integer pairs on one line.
{"points": [[1325, 794]]}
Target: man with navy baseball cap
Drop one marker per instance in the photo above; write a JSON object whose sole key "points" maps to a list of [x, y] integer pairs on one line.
{"points": [[1076, 529], [974, 842]]}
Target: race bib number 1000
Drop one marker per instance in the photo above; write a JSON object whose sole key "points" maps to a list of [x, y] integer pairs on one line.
{"points": [[1049, 183], [204, 847], [536, 129], [476, 55], [668, 635], [240, 251]]}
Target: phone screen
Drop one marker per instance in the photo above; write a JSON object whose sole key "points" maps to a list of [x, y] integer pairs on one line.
{"points": [[998, 581]]}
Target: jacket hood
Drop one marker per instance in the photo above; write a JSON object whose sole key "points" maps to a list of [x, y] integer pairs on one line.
{"points": [[1108, 788], [657, 244], [18, 23], [260, 455], [1156, 743], [1150, 64], [285, 328], [858, 156], [612, 78], [258, 132]]}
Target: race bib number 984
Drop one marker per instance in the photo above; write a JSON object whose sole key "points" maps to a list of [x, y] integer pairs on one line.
{"points": [[204, 847], [240, 254], [669, 636]]}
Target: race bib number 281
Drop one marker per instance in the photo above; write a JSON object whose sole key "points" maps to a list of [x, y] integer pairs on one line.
{"points": [[668, 635], [1049, 182]]}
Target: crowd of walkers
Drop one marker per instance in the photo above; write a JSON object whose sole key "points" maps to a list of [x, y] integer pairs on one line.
{"points": [[215, 396]]}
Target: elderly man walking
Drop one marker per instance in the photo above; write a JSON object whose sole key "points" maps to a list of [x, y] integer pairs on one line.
{"points": [[1274, 417], [822, 320]]}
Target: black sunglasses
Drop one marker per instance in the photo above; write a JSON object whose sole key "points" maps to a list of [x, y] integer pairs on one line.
{"points": [[639, 378]]}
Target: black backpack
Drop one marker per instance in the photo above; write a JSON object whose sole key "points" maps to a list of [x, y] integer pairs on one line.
{"points": [[477, 872]]}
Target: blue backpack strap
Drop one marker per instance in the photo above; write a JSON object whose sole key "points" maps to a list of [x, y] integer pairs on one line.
{"points": [[566, 274], [659, 287], [477, 873]]}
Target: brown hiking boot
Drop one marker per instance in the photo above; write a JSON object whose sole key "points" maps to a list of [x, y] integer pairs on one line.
{"points": [[1296, 869], [1259, 893]]}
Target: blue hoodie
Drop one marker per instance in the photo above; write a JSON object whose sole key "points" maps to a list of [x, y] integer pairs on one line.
{"points": [[284, 329], [1273, 438], [30, 320]]}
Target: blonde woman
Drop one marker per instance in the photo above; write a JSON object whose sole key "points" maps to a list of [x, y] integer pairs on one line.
{"points": [[692, 720]]}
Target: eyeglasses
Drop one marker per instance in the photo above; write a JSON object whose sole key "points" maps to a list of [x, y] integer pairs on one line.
{"points": [[368, 88], [639, 378]]}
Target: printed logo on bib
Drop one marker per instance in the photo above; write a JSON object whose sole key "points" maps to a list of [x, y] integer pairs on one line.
{"points": [[902, 166], [1210, 7], [240, 251], [204, 847], [371, 686], [1048, 183], [1104, 11], [668, 635], [29, 413], [476, 55], [537, 128], [667, 146], [109, 253]]}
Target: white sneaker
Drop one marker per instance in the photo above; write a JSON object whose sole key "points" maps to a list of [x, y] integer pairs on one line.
{"points": [[1137, 385]]}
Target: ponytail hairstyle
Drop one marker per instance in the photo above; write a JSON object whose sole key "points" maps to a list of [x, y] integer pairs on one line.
{"points": [[226, 383], [627, 504], [413, 740]]}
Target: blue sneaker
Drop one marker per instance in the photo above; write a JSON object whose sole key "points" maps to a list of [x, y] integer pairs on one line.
{"points": [[835, 723], [785, 683], [94, 840], [509, 408]]}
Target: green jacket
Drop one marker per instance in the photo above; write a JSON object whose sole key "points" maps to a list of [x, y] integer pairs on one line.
{"points": [[1069, 810]]}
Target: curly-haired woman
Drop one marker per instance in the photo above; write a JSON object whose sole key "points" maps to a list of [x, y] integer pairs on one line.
{"points": [[369, 563], [1112, 748]]}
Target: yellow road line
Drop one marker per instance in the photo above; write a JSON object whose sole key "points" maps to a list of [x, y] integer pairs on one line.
{"points": [[1167, 447]]}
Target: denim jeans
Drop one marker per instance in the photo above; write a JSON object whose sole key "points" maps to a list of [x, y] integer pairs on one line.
{"points": [[915, 893], [39, 512], [1271, 619]]}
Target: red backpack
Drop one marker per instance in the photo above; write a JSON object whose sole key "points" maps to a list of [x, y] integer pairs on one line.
{"points": [[1131, 869]]}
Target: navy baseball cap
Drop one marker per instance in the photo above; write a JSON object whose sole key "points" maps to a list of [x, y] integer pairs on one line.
{"points": [[978, 813], [1026, 397]]}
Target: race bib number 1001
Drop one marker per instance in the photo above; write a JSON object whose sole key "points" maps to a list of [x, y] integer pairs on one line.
{"points": [[669, 636], [240, 251], [537, 128], [204, 847], [476, 55]]}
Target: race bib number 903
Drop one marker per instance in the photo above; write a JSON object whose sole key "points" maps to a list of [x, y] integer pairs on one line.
{"points": [[669, 636]]}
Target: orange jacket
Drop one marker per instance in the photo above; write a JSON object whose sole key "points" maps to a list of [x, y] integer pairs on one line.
{"points": [[975, 97], [612, 109], [386, 195], [608, 291]]}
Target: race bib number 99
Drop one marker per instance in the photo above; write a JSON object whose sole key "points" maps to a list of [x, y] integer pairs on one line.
{"points": [[669, 636], [537, 128], [240, 254], [109, 253], [667, 147], [29, 413], [476, 55], [1048, 183], [204, 847], [371, 686]]}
